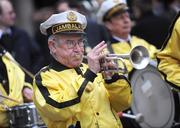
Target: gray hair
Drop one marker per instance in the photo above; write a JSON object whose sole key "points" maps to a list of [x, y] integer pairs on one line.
{"points": [[54, 38]]}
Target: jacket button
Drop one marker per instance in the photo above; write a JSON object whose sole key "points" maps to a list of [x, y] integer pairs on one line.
{"points": [[88, 88]]}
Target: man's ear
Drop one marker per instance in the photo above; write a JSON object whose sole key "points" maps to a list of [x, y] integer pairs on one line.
{"points": [[51, 45]]}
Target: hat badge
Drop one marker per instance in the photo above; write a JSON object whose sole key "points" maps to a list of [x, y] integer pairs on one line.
{"points": [[116, 1], [71, 16]]}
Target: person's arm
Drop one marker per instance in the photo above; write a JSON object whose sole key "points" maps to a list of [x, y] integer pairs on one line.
{"points": [[118, 87], [58, 99], [169, 57]]}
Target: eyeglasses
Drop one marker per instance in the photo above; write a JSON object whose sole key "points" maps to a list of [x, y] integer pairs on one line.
{"points": [[72, 43]]}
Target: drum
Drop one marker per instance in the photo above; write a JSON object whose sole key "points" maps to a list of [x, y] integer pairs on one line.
{"points": [[24, 116], [154, 99]]}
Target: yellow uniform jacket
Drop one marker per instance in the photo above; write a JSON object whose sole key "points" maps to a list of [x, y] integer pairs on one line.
{"points": [[169, 56], [16, 83], [78, 98], [125, 48]]}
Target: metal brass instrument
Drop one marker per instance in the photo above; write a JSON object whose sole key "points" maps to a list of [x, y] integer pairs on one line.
{"points": [[138, 57]]}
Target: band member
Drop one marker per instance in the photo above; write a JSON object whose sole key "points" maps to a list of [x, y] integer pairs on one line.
{"points": [[169, 56], [13, 88], [69, 93], [116, 18]]}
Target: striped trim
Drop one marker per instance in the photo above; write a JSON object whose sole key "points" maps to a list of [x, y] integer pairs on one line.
{"points": [[163, 47], [170, 31], [83, 86], [115, 77], [45, 93], [171, 84]]}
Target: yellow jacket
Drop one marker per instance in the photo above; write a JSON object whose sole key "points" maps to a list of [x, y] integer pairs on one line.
{"points": [[169, 56], [77, 97], [125, 48], [16, 83]]}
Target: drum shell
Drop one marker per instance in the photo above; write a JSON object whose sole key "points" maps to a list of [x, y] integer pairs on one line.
{"points": [[24, 116]]}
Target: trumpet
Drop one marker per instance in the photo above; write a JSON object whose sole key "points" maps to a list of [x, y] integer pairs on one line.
{"points": [[138, 57]]}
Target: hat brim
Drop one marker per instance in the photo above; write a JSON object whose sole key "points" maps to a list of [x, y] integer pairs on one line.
{"points": [[68, 33], [118, 9]]}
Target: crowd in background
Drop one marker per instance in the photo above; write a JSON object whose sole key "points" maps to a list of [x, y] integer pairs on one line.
{"points": [[151, 20]]}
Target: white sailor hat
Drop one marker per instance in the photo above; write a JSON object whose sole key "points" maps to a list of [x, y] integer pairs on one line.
{"points": [[66, 22], [109, 8]]}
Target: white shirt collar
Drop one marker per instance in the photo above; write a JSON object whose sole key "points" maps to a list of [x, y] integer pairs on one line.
{"points": [[8, 31], [122, 40]]}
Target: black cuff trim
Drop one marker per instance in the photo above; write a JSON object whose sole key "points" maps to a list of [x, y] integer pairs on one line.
{"points": [[89, 75], [115, 77]]}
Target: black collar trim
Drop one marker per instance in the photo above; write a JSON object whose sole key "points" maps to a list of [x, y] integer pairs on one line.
{"points": [[57, 66], [60, 67]]}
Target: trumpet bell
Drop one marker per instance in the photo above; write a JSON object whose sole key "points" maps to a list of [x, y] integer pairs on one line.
{"points": [[139, 57]]}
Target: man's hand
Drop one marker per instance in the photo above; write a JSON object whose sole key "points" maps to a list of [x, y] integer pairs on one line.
{"points": [[27, 94], [108, 68], [95, 55]]}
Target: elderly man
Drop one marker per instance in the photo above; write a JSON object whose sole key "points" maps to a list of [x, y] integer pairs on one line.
{"points": [[115, 16], [70, 94]]}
